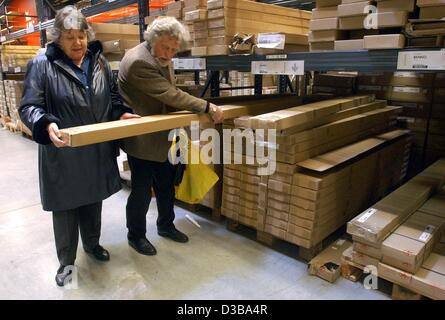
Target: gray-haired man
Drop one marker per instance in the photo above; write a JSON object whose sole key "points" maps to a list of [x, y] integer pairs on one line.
{"points": [[146, 84]]}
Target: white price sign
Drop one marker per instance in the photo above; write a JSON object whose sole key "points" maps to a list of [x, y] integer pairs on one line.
{"points": [[421, 60], [30, 28], [292, 67], [189, 64], [2, 38]]}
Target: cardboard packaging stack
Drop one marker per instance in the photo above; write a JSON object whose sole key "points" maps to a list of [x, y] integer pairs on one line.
{"points": [[13, 94], [399, 234], [3, 105], [329, 156], [431, 9], [335, 84], [357, 24], [16, 58], [216, 22]]}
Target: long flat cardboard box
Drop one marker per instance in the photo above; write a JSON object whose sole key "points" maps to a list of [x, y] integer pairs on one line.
{"points": [[101, 132], [411, 243], [375, 223]]}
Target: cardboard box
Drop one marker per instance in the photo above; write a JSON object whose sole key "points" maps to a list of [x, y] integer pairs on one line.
{"points": [[432, 12], [430, 279], [396, 5], [326, 35], [118, 46], [430, 3], [199, 51], [375, 78], [351, 23], [387, 41], [327, 3], [411, 94], [323, 24], [390, 19], [321, 46], [413, 79], [375, 223], [364, 260], [326, 265], [439, 95], [346, 45], [380, 92], [367, 250], [409, 245], [323, 13], [354, 9]]}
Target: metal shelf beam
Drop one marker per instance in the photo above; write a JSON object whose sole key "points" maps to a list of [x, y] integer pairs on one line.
{"points": [[360, 60], [90, 11]]}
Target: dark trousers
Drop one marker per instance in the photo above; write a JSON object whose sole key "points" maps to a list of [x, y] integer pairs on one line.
{"points": [[67, 224], [146, 174]]}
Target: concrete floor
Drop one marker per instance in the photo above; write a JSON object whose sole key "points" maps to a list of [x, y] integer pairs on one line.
{"points": [[215, 264]]}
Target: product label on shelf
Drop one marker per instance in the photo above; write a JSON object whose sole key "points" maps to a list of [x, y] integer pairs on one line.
{"points": [[189, 64], [293, 67], [421, 60], [2, 38]]}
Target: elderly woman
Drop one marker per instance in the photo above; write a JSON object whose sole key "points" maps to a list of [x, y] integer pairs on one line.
{"points": [[72, 85], [146, 84]]}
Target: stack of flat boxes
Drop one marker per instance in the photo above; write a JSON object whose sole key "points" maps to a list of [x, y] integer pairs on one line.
{"points": [[215, 28], [195, 17], [16, 58], [324, 26], [3, 105], [305, 207], [431, 9], [399, 233], [13, 92], [334, 84], [379, 30]]}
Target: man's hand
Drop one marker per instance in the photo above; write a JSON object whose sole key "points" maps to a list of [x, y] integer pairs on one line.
{"points": [[55, 135], [216, 113], [128, 115]]}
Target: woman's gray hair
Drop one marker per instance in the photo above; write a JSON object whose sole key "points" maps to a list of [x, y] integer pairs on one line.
{"points": [[69, 18], [168, 26]]}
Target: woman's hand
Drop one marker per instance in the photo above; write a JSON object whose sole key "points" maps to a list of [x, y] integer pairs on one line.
{"points": [[128, 115], [55, 135]]}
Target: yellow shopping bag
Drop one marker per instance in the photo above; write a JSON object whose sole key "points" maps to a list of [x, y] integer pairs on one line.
{"points": [[197, 180]]}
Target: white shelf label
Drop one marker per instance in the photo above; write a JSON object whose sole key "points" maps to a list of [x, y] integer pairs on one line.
{"points": [[189, 64], [17, 69], [421, 60], [2, 38], [30, 28], [292, 67]]}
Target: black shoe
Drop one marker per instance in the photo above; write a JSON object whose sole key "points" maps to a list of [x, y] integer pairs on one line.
{"points": [[62, 274], [175, 235], [99, 253], [142, 246]]}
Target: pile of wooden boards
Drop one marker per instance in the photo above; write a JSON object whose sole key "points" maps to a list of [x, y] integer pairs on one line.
{"points": [[331, 157], [15, 58], [401, 234], [216, 22]]}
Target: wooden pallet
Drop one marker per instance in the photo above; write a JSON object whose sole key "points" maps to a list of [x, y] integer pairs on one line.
{"points": [[270, 240], [354, 272]]}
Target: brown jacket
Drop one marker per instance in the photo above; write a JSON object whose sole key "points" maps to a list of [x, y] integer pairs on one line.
{"points": [[149, 89]]}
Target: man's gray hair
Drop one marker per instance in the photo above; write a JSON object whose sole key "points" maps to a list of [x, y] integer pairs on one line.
{"points": [[168, 26], [69, 18]]}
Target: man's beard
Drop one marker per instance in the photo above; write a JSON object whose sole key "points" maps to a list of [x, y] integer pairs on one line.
{"points": [[162, 64]]}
